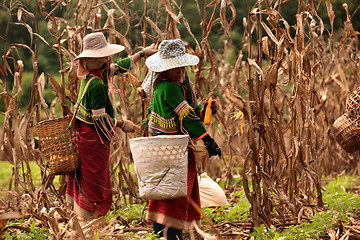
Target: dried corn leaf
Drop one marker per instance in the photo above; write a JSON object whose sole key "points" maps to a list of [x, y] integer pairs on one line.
{"points": [[187, 26], [272, 74], [346, 235], [348, 25], [170, 12], [253, 63], [331, 13], [342, 76], [155, 27], [2, 71], [270, 34], [28, 27], [42, 38], [19, 145], [18, 77], [40, 90], [211, 21], [265, 43], [77, 228], [227, 25], [123, 11], [110, 23], [235, 98], [19, 14], [307, 66], [124, 41]]}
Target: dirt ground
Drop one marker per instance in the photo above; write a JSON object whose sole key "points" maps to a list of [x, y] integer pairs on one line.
{"points": [[241, 230]]}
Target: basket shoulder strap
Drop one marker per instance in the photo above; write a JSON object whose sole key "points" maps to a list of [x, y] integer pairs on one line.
{"points": [[85, 89], [82, 96]]}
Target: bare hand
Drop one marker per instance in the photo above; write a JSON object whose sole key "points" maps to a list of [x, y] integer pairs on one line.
{"points": [[128, 126], [150, 50]]}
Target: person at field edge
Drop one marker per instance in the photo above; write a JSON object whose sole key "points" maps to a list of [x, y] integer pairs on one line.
{"points": [[172, 113], [89, 189]]}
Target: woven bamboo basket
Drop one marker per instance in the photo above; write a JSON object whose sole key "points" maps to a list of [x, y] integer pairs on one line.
{"points": [[347, 132], [353, 104], [57, 143]]}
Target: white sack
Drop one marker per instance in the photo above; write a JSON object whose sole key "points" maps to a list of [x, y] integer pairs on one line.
{"points": [[211, 194], [161, 165]]}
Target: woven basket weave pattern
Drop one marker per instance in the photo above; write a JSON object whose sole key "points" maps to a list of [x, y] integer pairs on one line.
{"points": [[58, 144], [353, 105], [347, 133]]}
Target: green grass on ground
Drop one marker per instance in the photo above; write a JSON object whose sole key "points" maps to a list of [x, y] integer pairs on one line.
{"points": [[6, 171], [337, 199]]}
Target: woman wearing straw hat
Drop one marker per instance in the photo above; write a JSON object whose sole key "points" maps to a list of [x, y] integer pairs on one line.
{"points": [[89, 189], [172, 113]]}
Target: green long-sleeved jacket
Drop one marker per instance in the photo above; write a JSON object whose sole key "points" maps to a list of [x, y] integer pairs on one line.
{"points": [[172, 114]]}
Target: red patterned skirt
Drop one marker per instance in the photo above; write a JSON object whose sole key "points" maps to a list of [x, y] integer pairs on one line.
{"points": [[91, 187], [178, 212]]}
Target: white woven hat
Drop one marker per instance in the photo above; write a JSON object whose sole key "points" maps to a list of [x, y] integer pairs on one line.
{"points": [[171, 54], [95, 45]]}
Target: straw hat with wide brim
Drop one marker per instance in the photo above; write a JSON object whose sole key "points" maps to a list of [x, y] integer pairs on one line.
{"points": [[171, 54], [95, 45]]}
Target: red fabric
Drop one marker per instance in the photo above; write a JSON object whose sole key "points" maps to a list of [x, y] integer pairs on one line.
{"points": [[95, 193], [97, 73], [181, 208]]}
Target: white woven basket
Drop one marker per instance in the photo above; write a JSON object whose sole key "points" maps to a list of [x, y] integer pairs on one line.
{"points": [[161, 165]]}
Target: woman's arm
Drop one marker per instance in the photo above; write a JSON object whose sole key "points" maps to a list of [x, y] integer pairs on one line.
{"points": [[146, 52], [125, 64]]}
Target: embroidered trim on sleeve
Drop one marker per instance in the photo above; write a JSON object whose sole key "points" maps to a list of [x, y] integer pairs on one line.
{"points": [[98, 112], [104, 123], [164, 125], [185, 110]]}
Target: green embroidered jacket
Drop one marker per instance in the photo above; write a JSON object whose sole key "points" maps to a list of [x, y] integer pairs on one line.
{"points": [[172, 114], [96, 104]]}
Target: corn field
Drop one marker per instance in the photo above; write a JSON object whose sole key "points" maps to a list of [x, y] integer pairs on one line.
{"points": [[277, 101]]}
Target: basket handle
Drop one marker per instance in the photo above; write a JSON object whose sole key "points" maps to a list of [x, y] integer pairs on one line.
{"points": [[78, 102]]}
